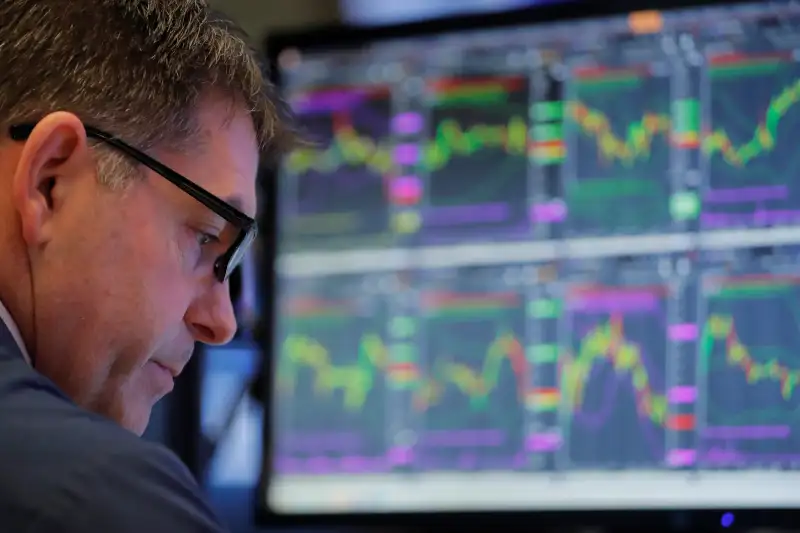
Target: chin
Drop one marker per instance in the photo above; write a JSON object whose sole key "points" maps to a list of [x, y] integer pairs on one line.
{"points": [[135, 420]]}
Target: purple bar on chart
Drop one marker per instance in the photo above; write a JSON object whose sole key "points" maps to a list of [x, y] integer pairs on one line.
{"points": [[466, 214], [548, 213], [683, 332], [759, 218], [723, 457], [747, 432], [327, 101], [321, 442], [407, 123], [682, 395], [330, 465], [463, 438], [470, 461], [681, 458], [614, 301], [406, 154], [544, 442], [400, 456], [746, 195]]}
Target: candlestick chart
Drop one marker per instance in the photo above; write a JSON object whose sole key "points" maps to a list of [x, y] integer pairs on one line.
{"points": [[748, 141], [475, 378], [338, 184], [331, 387], [476, 158], [618, 152], [750, 364], [613, 376]]}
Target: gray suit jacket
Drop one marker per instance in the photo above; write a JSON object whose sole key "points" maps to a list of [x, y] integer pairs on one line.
{"points": [[65, 470]]}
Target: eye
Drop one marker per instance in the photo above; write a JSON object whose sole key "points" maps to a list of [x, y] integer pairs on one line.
{"points": [[204, 239]]}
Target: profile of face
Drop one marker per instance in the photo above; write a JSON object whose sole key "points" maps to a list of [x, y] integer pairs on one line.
{"points": [[121, 281]]}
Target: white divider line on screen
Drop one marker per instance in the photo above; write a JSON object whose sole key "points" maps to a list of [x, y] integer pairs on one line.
{"points": [[576, 491], [629, 245], [485, 254], [393, 259], [746, 238], [307, 264]]}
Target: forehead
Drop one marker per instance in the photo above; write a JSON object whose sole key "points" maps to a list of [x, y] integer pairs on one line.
{"points": [[225, 161]]}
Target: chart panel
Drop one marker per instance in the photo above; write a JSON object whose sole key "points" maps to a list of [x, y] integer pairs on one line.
{"points": [[749, 360], [618, 124], [475, 375], [338, 187], [331, 384], [752, 114], [476, 158], [614, 365]]}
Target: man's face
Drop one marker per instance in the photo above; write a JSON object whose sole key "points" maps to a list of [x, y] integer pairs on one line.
{"points": [[123, 281]]}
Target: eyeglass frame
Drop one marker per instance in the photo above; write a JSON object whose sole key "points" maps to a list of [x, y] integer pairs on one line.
{"points": [[247, 226]]}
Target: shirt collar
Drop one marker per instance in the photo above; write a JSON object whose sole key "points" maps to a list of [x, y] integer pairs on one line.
{"points": [[8, 320]]}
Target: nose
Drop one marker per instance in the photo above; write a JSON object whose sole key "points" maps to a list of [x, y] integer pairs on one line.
{"points": [[211, 318]]}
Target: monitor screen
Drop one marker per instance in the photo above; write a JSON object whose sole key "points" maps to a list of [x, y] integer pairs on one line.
{"points": [[370, 12], [543, 268]]}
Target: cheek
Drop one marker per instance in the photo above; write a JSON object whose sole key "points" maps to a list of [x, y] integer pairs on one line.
{"points": [[149, 292]]}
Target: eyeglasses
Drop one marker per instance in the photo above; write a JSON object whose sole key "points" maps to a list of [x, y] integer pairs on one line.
{"points": [[246, 227]]}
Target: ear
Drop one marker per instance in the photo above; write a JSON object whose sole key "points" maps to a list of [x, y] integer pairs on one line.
{"points": [[55, 154]]}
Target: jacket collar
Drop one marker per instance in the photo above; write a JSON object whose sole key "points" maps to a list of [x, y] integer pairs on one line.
{"points": [[11, 344]]}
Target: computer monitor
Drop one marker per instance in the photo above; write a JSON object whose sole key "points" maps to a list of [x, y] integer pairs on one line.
{"points": [[371, 13], [545, 266]]}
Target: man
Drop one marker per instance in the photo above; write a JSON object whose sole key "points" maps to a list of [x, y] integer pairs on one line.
{"points": [[130, 135]]}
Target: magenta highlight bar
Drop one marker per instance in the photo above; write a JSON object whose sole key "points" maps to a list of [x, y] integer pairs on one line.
{"points": [[681, 457], [466, 214], [544, 442], [746, 432], [614, 300], [407, 123], [746, 194], [682, 395], [683, 332], [406, 189], [548, 213]]}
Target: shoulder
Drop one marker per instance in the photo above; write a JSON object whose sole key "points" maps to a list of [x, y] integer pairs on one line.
{"points": [[138, 487], [65, 469]]}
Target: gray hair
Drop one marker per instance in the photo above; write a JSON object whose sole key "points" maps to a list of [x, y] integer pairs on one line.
{"points": [[136, 68]]}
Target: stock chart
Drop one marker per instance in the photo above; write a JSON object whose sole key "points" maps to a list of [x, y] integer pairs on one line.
{"points": [[619, 119], [331, 379], [753, 111], [476, 159], [749, 365], [594, 247], [613, 373], [337, 186], [475, 376]]}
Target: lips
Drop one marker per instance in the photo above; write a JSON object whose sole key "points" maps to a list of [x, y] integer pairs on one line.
{"points": [[161, 377], [172, 372]]}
